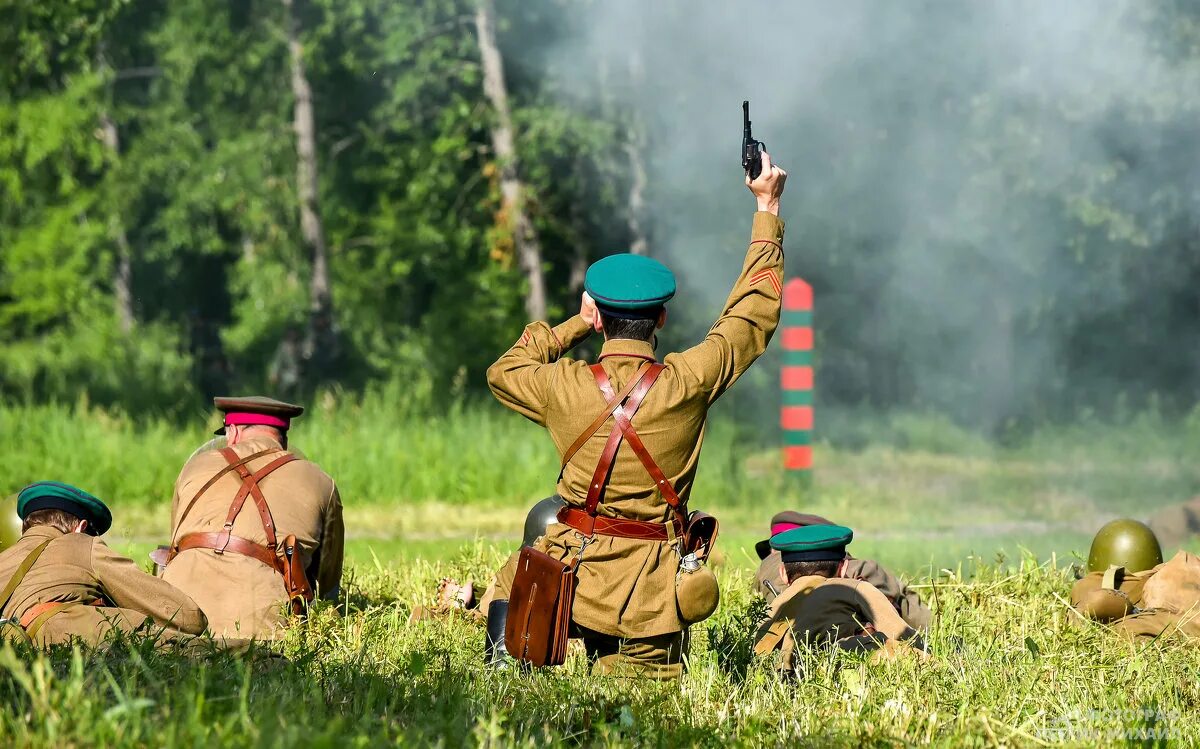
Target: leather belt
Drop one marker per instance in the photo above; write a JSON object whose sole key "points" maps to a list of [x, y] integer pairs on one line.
{"points": [[618, 527], [221, 543]]}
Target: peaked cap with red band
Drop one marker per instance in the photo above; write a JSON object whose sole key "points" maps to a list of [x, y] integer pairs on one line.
{"points": [[786, 521], [256, 410]]}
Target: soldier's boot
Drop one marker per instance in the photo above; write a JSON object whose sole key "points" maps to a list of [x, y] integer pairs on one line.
{"points": [[495, 652]]}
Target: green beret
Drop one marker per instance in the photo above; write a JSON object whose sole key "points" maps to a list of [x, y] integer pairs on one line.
{"points": [[55, 495], [813, 543], [629, 283]]}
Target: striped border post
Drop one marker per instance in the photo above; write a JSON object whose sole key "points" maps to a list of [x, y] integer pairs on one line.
{"points": [[796, 414]]}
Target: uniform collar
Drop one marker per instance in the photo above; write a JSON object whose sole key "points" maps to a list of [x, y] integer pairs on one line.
{"points": [[260, 443], [43, 531], [627, 347]]}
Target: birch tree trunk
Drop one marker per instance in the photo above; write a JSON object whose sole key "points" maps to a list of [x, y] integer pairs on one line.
{"points": [[512, 213], [320, 332], [122, 280]]}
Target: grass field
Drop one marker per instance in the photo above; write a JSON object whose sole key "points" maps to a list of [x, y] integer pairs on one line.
{"points": [[989, 533]]}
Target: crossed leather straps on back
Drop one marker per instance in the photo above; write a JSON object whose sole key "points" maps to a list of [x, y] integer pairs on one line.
{"points": [[621, 407], [220, 542]]}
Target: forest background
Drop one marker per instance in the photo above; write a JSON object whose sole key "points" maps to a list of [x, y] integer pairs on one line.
{"points": [[997, 207]]}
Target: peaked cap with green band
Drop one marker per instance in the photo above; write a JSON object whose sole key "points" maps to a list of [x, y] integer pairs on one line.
{"points": [[813, 543], [629, 284], [55, 495]]}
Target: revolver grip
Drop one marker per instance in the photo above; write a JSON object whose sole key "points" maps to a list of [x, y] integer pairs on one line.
{"points": [[754, 160]]}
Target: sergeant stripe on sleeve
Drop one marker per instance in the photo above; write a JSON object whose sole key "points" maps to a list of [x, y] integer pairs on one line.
{"points": [[769, 275]]}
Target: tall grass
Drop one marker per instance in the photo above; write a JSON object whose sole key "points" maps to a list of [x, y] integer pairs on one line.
{"points": [[1012, 668], [923, 492]]}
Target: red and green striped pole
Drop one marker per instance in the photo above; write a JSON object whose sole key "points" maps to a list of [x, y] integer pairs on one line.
{"points": [[796, 415]]}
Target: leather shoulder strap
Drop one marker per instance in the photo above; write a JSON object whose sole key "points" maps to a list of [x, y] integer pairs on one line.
{"points": [[214, 479], [22, 570], [622, 413], [639, 448], [250, 487], [603, 416]]}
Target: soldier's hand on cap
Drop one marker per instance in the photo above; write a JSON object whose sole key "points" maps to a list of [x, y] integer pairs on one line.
{"points": [[587, 309], [769, 185]]}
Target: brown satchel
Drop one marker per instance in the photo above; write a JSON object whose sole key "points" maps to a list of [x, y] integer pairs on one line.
{"points": [[543, 590], [539, 616]]}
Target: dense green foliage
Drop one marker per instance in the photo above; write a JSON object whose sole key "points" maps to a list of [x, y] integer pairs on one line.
{"points": [[1039, 260]]}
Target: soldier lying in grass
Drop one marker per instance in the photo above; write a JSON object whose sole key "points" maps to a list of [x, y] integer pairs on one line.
{"points": [[820, 609], [63, 584], [1130, 587], [771, 578]]}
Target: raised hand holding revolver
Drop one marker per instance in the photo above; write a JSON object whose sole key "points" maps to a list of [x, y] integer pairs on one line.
{"points": [[768, 186]]}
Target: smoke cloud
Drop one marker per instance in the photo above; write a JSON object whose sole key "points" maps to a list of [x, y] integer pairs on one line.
{"points": [[958, 174]]}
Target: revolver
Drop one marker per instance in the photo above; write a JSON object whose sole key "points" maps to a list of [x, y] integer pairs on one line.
{"points": [[751, 149]]}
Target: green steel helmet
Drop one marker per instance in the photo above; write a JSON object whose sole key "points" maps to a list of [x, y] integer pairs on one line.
{"points": [[1124, 543], [10, 523], [540, 517]]}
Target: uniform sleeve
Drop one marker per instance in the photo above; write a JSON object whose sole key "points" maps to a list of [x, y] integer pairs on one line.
{"points": [[749, 318], [520, 379], [333, 540], [906, 600], [130, 588]]}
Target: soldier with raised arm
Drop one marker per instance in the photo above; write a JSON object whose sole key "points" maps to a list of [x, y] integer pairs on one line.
{"points": [[625, 606]]}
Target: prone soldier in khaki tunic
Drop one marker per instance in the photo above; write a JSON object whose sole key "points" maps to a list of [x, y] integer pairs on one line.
{"points": [[61, 583], [625, 603], [253, 527], [818, 608], [771, 579]]}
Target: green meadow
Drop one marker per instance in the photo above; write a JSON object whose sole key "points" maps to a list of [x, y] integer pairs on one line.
{"points": [[989, 533]]}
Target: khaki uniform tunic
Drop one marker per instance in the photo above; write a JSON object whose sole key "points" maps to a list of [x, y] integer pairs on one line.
{"points": [[905, 600], [242, 596], [626, 586], [816, 611], [78, 568]]}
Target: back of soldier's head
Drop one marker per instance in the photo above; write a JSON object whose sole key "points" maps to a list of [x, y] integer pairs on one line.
{"points": [[630, 292], [812, 549], [797, 570], [60, 519], [62, 506]]}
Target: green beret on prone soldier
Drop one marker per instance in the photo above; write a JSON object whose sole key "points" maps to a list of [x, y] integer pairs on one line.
{"points": [[62, 583], [819, 608], [623, 565]]}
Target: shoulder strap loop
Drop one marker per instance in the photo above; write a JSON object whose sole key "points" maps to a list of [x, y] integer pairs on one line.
{"points": [[250, 487], [216, 477], [614, 402], [643, 384]]}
